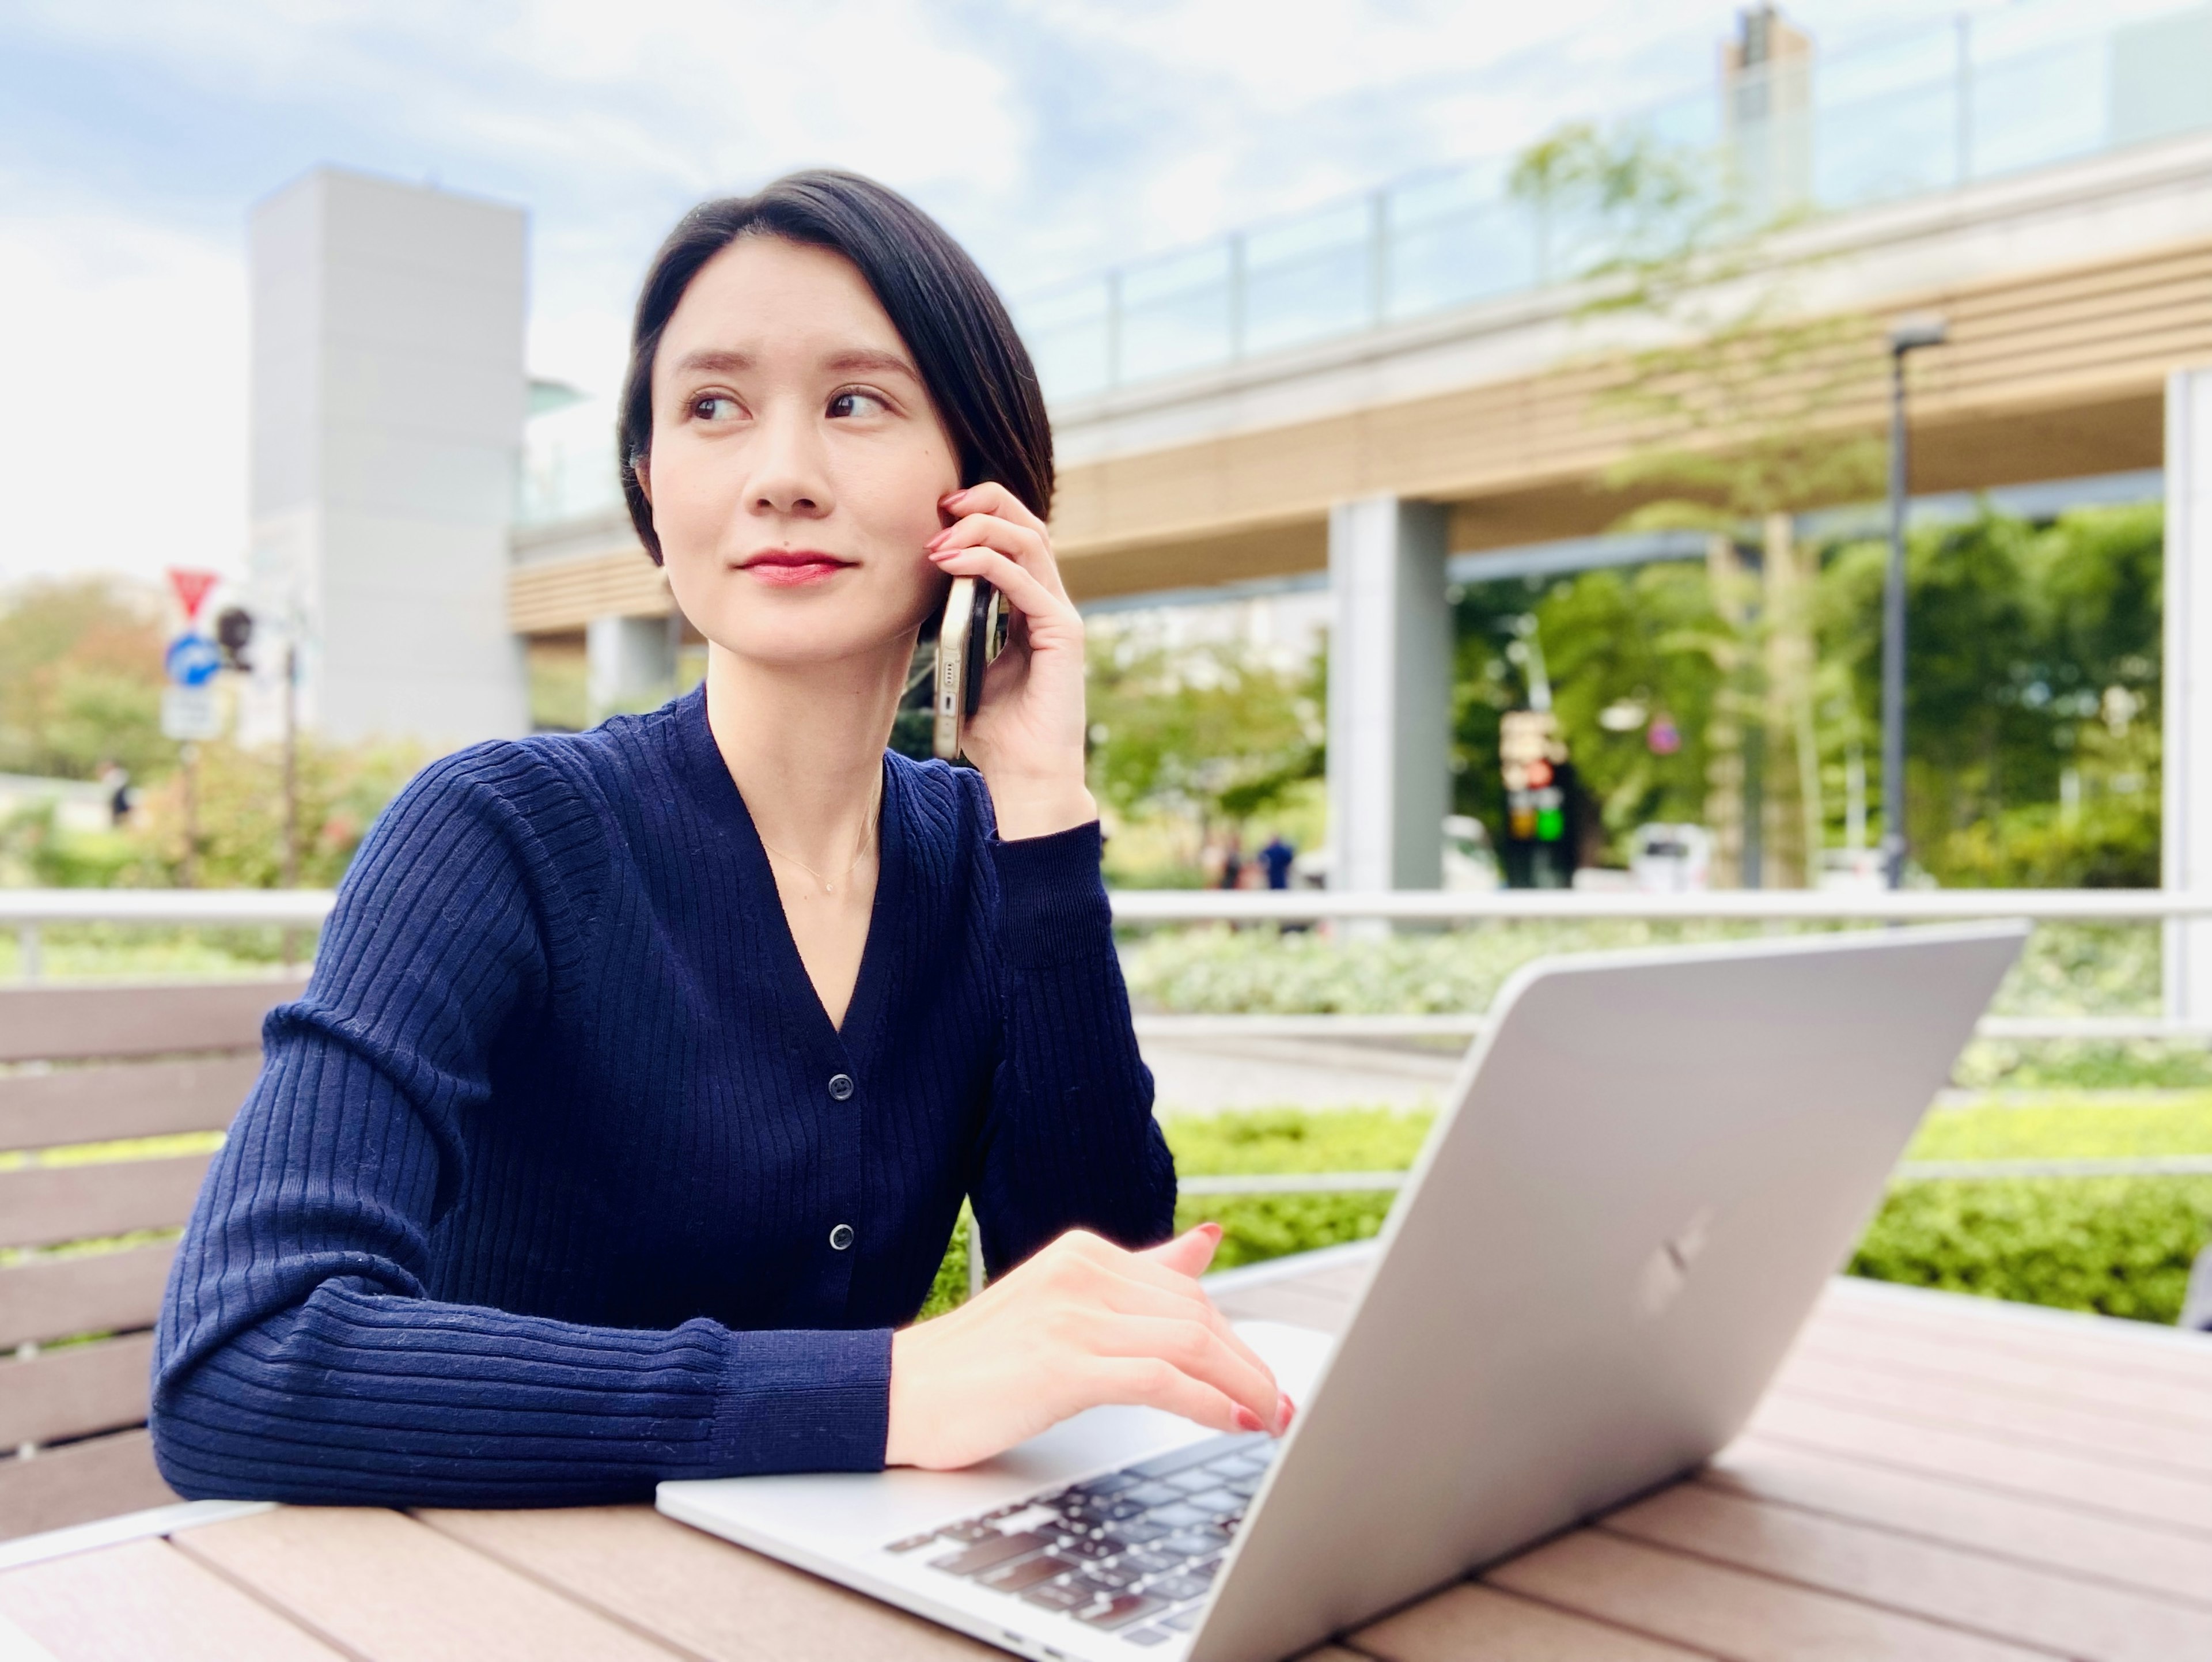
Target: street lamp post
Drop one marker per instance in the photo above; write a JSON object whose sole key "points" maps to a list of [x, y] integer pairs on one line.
{"points": [[1907, 337]]}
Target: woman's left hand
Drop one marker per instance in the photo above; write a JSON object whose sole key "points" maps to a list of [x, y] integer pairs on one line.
{"points": [[1027, 735]]}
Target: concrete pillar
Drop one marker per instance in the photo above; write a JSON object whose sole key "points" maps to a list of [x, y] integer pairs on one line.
{"points": [[1390, 695], [629, 663], [2186, 810], [388, 394]]}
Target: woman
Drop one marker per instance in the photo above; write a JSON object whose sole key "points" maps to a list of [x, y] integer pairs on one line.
{"points": [[628, 1111]]}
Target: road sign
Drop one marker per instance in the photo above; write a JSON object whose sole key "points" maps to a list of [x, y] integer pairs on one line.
{"points": [[191, 585], [193, 660], [191, 713]]}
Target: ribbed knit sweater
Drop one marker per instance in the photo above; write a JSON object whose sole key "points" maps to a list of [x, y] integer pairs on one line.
{"points": [[558, 1180]]}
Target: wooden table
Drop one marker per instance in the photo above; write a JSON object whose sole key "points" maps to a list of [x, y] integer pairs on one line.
{"points": [[1931, 1477]]}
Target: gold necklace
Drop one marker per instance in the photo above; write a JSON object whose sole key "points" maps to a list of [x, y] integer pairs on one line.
{"points": [[867, 829]]}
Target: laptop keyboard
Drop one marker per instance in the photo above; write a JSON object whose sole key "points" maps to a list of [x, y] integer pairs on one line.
{"points": [[1132, 1552]]}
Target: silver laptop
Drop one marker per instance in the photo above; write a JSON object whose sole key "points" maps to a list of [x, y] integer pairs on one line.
{"points": [[1642, 1178]]}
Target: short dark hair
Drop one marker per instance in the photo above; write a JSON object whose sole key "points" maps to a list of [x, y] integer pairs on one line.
{"points": [[963, 343]]}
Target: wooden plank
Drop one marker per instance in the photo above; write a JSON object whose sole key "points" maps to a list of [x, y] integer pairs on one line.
{"points": [[138, 1099], [1469, 1624], [1745, 1617], [86, 1292], [1993, 1460], [2033, 1531], [74, 1393], [146, 1600], [2114, 1435], [1911, 1356], [99, 1478], [2035, 1605], [57, 1023], [384, 1588], [44, 1204], [1961, 1322], [697, 1592]]}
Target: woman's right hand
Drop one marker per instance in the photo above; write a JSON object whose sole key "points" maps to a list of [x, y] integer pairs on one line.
{"points": [[1083, 1323]]}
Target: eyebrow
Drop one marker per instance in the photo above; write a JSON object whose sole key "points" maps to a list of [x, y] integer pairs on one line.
{"points": [[715, 361]]}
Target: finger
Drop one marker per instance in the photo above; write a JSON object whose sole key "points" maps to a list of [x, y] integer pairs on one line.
{"points": [[1028, 596], [1148, 1382], [1190, 1252], [1195, 1348], [1028, 548], [992, 498]]}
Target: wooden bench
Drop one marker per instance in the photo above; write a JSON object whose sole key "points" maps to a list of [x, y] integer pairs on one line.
{"points": [[89, 1064]]}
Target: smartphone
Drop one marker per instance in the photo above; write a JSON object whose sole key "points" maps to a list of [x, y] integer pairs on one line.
{"points": [[973, 635]]}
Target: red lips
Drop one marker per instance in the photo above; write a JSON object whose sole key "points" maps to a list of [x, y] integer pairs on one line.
{"points": [[793, 568]]}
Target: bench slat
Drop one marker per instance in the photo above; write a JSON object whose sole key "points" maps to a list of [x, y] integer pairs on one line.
{"points": [[57, 1023], [96, 1293], [96, 1478], [75, 1392], [48, 1204], [141, 1099]]}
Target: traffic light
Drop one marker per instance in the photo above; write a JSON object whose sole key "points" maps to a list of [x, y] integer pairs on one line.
{"points": [[233, 631]]}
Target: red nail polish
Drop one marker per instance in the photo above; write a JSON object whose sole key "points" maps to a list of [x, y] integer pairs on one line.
{"points": [[1247, 1420]]}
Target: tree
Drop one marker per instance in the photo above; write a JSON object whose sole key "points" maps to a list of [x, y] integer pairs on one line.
{"points": [[1208, 732], [81, 680], [1747, 413]]}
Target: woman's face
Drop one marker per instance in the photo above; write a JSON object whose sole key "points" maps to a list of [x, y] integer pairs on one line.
{"points": [[796, 460]]}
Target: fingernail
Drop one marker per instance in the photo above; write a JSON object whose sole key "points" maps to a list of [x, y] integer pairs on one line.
{"points": [[1285, 1412], [1247, 1420], [938, 541], [1210, 1229]]}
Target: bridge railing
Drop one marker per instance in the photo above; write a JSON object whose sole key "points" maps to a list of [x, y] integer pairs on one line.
{"points": [[1938, 104]]}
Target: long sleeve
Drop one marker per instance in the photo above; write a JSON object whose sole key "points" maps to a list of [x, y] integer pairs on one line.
{"points": [[1070, 1141], [298, 1354]]}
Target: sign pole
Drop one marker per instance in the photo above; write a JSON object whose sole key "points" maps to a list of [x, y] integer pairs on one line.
{"points": [[189, 753]]}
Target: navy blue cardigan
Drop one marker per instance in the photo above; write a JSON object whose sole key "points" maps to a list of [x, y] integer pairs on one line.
{"points": [[558, 1180]]}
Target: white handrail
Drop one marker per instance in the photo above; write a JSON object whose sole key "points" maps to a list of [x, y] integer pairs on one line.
{"points": [[1743, 905], [190, 908], [308, 907]]}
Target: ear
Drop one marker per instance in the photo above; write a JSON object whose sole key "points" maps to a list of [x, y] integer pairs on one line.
{"points": [[641, 469]]}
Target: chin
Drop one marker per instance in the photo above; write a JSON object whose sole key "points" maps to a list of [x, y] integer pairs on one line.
{"points": [[805, 633]]}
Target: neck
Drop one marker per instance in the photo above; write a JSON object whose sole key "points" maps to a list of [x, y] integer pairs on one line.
{"points": [[805, 745]]}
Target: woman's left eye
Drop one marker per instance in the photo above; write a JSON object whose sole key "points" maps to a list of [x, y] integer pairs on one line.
{"points": [[713, 406], [850, 403]]}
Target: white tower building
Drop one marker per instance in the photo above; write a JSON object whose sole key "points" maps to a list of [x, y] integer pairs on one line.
{"points": [[388, 398]]}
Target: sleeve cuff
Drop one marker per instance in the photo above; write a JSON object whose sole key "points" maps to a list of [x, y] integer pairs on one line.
{"points": [[1052, 899], [803, 1401]]}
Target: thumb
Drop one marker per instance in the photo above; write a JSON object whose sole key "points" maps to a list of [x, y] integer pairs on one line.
{"points": [[1189, 1253]]}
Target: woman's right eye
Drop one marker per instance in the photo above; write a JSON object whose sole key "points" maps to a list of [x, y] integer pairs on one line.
{"points": [[714, 407]]}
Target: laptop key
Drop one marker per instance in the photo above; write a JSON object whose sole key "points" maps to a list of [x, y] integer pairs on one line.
{"points": [[970, 1531], [1194, 1454], [1219, 1503], [1112, 1483], [1109, 1578], [1019, 1578], [1175, 1586], [1066, 1595], [1180, 1516], [1149, 1636], [1152, 1495], [1182, 1621], [1192, 1481], [1152, 1561], [1247, 1486], [1121, 1610], [1083, 1547], [988, 1554], [1195, 1542], [1135, 1532]]}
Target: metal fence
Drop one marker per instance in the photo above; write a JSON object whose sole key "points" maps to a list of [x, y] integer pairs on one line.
{"points": [[28, 912]]}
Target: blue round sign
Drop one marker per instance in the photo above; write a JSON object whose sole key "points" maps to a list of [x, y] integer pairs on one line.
{"points": [[193, 660]]}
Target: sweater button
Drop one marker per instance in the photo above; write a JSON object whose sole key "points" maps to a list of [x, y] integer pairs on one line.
{"points": [[840, 1087], [842, 1236]]}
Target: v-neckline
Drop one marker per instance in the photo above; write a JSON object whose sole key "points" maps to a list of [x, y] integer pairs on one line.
{"points": [[861, 1007]]}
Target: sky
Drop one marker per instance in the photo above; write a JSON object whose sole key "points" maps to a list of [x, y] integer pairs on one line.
{"points": [[1054, 137]]}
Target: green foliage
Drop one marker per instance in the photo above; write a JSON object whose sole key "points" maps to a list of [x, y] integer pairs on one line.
{"points": [[2121, 1247], [950, 1286], [2113, 843], [1275, 1140], [1210, 731], [81, 680], [2079, 1130], [342, 789]]}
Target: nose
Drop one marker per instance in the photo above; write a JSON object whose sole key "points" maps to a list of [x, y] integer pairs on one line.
{"points": [[790, 474]]}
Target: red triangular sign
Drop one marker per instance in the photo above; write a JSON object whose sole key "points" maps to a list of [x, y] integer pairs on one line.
{"points": [[192, 587]]}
